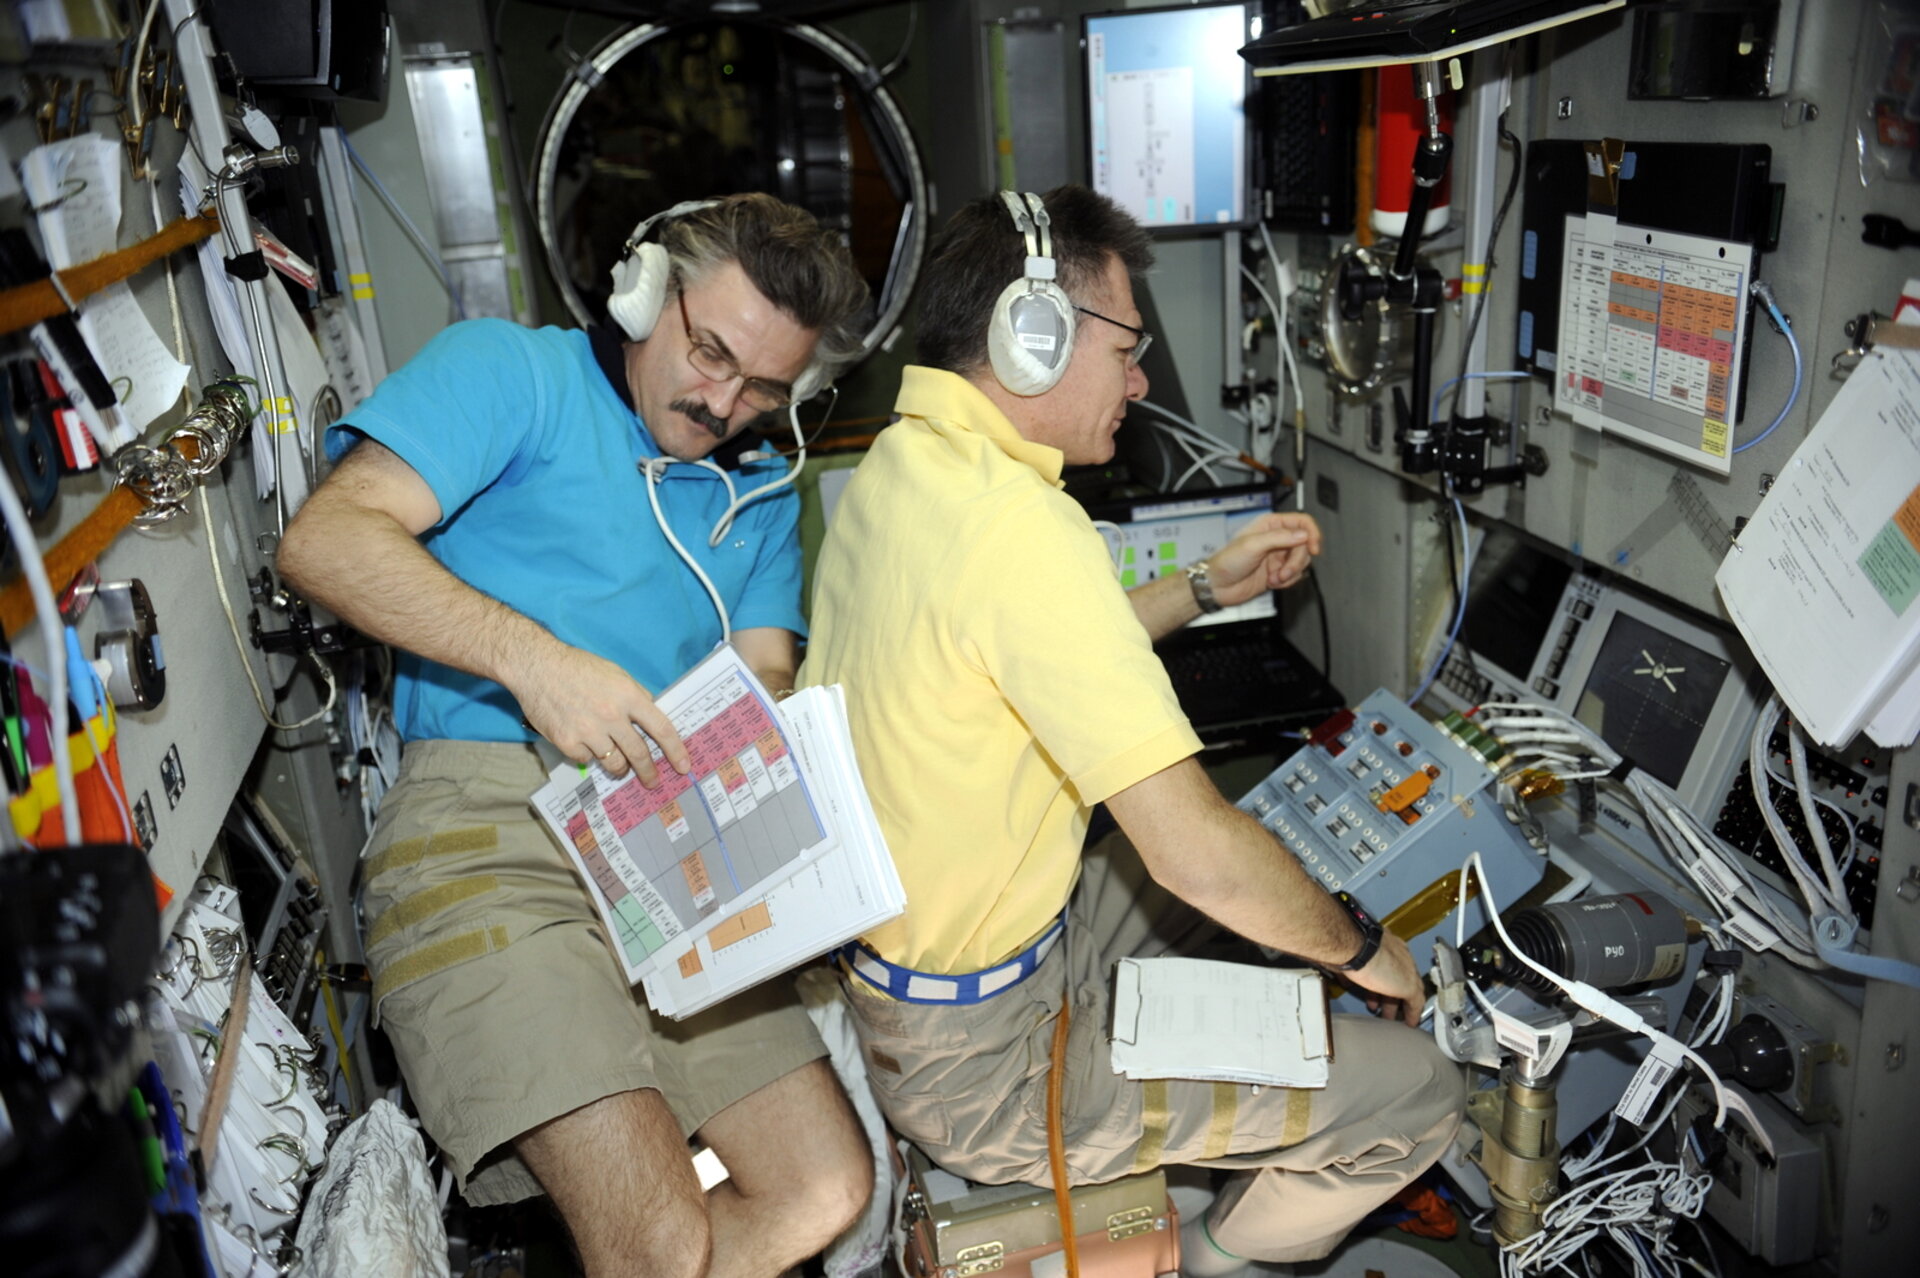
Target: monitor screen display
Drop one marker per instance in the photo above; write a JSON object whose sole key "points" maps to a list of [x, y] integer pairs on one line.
{"points": [[1649, 696], [1513, 601], [1166, 113], [1157, 537]]}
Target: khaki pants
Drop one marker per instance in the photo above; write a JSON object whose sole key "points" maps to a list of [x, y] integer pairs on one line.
{"points": [[968, 1084], [502, 998]]}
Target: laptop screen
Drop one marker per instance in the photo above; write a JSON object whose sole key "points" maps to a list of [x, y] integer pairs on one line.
{"points": [[1157, 536]]}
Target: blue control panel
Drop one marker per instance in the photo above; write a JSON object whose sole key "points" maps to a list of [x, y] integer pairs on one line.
{"points": [[1385, 805]]}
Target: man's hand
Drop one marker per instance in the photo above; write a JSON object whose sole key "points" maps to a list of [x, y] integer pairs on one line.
{"points": [[592, 709], [1271, 553], [1393, 982]]}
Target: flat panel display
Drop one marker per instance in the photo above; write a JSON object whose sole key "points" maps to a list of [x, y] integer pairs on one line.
{"points": [[1154, 537], [1166, 93]]}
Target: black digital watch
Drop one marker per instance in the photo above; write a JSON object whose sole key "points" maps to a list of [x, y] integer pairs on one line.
{"points": [[1370, 933]]}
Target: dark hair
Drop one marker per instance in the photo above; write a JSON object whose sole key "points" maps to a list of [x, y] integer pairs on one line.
{"points": [[979, 252], [800, 266]]}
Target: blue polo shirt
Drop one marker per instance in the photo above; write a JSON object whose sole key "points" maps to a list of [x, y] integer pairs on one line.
{"points": [[531, 443]]}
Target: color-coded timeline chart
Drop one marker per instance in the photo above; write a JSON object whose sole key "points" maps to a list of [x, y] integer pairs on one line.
{"points": [[671, 860], [1652, 327]]}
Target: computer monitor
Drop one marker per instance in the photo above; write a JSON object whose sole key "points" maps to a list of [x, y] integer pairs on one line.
{"points": [[1676, 696], [1166, 94], [1152, 537]]}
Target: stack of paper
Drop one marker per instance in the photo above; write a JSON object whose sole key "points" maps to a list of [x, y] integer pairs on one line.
{"points": [[1221, 1022], [764, 856], [1822, 582]]}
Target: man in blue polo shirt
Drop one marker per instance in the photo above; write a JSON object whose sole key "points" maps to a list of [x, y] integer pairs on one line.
{"points": [[492, 516]]}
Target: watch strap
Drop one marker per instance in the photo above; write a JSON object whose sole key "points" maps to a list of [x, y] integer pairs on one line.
{"points": [[1202, 583], [1370, 933]]}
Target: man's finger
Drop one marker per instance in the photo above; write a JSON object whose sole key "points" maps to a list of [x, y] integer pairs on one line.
{"points": [[631, 749], [649, 719]]}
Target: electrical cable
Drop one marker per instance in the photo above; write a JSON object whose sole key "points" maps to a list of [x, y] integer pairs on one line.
{"points": [[1586, 996], [1179, 427], [1326, 639], [1504, 375], [407, 224], [792, 475], [240, 646], [1764, 291], [906, 43], [652, 468], [27, 547], [1460, 614], [1493, 239]]}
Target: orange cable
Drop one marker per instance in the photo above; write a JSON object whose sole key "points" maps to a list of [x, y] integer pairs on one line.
{"points": [[1056, 1144]]}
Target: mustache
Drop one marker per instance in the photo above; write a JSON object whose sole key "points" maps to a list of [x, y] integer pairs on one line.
{"points": [[698, 412]]}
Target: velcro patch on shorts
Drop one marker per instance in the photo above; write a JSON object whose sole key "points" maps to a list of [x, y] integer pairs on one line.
{"points": [[1154, 1117], [438, 957], [411, 910], [405, 852]]}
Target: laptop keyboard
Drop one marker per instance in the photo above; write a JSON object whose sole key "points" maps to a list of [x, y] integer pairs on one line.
{"points": [[1220, 683]]}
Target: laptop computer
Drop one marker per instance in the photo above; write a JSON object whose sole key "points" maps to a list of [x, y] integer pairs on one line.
{"points": [[1240, 682]]}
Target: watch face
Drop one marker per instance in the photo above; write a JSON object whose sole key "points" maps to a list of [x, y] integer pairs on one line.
{"points": [[1649, 696]]}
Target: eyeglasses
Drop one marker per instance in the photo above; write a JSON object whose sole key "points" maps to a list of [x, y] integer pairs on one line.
{"points": [[716, 365], [1139, 350]]}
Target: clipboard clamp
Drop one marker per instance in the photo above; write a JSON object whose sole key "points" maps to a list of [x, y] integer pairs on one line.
{"points": [[1605, 158]]}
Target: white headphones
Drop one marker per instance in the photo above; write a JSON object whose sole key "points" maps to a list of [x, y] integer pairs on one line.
{"points": [[640, 280], [1030, 336]]}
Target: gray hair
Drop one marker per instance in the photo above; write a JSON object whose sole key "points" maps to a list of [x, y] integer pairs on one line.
{"points": [[804, 269]]}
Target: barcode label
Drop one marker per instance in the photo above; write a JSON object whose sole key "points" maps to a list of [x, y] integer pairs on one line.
{"points": [[1637, 1101]]}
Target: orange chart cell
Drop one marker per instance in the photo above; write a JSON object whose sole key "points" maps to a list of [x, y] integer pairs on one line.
{"points": [[742, 925], [695, 868]]}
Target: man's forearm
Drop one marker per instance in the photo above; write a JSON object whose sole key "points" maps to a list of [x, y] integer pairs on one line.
{"points": [[1222, 862], [1164, 605], [1259, 889], [372, 572]]}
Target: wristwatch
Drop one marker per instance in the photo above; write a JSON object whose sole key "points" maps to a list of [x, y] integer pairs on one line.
{"points": [[1370, 933], [1202, 586]]}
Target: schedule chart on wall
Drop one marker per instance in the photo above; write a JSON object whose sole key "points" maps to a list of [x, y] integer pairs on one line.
{"points": [[1652, 326], [696, 852]]}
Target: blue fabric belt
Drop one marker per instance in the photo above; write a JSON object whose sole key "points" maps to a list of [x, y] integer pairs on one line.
{"points": [[910, 986]]}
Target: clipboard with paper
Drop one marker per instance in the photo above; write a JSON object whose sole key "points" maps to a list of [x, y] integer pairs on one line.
{"points": [[1220, 1022]]}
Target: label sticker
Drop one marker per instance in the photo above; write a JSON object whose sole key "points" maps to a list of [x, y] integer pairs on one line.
{"points": [[1717, 875], [1644, 1088], [1751, 932]]}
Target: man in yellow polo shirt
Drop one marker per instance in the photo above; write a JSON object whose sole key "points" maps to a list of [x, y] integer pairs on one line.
{"points": [[1000, 684]]}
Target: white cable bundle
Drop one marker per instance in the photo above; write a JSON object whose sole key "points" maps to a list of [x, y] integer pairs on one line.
{"points": [[1716, 870]]}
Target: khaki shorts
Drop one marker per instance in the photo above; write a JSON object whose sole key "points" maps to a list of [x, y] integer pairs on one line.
{"points": [[495, 983], [968, 1084]]}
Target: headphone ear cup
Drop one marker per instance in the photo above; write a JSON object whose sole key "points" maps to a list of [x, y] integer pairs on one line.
{"points": [[811, 382], [1030, 337], [639, 290]]}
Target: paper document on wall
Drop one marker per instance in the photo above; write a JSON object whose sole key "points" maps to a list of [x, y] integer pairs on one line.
{"points": [[1823, 581], [75, 187], [846, 891], [668, 865], [1224, 1022], [1652, 326]]}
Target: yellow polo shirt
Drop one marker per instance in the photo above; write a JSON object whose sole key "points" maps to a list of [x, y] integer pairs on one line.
{"points": [[998, 681]]}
